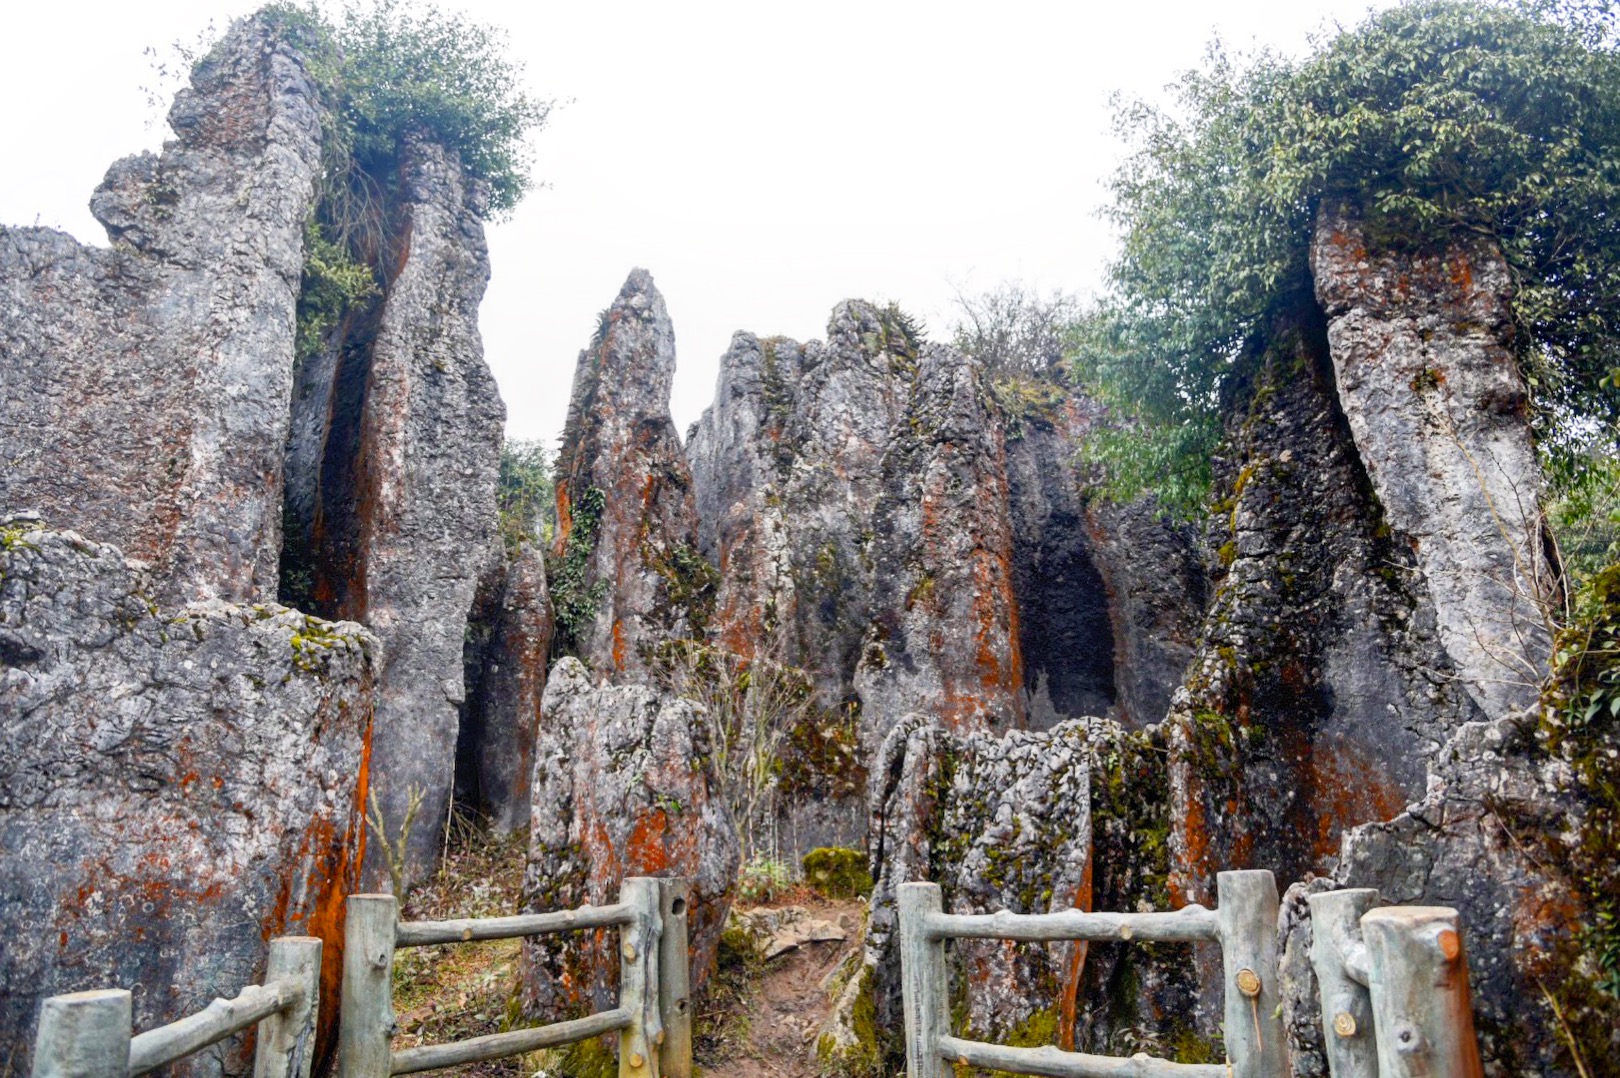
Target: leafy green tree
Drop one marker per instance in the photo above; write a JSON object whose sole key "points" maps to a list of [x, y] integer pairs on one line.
{"points": [[388, 70], [1435, 116], [525, 493]]}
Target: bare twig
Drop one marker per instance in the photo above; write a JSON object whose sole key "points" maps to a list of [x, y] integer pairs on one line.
{"points": [[394, 851]]}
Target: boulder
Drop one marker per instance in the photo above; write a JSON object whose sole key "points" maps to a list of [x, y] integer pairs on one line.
{"points": [[1499, 837], [144, 386], [776, 931], [1000, 823], [624, 785], [177, 785]]}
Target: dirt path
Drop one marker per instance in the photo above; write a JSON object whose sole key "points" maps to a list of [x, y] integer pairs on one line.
{"points": [[785, 1004]]}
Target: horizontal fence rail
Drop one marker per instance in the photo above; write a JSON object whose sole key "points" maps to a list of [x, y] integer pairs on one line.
{"points": [[1244, 924], [653, 1016], [1056, 1063], [1190, 924], [515, 1042], [428, 933], [89, 1034]]}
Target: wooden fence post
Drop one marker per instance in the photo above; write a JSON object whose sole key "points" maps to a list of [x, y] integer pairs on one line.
{"points": [[366, 1018], [286, 1041], [922, 980], [675, 979], [1253, 1028], [1419, 986], [84, 1035], [1340, 960], [639, 1045]]}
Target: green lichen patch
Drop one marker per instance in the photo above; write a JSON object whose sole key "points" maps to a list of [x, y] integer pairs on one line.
{"points": [[822, 755], [1027, 403], [853, 1047], [691, 584]]}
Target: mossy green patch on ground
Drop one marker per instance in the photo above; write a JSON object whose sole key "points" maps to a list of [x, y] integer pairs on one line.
{"points": [[837, 872]]}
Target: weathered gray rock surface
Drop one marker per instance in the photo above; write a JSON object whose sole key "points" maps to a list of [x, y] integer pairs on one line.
{"points": [[1156, 591], [430, 446], [1422, 348], [1000, 823], [786, 466], [1074, 816], [1320, 686], [177, 785], [1110, 595], [626, 524], [881, 519], [391, 474], [942, 636], [624, 785], [144, 387], [505, 684], [1066, 641], [1493, 839]]}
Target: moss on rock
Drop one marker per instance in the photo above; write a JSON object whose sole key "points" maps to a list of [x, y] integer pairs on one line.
{"points": [[837, 872]]}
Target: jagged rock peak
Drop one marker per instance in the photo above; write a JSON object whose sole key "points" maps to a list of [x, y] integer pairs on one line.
{"points": [[632, 578], [144, 388], [629, 367], [625, 784]]}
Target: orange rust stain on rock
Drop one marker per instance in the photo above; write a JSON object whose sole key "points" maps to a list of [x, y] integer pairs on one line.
{"points": [[1461, 272], [1195, 841], [1074, 967], [565, 519], [618, 644], [646, 851], [1350, 788]]}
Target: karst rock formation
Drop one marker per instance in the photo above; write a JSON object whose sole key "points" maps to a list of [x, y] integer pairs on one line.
{"points": [[237, 576], [251, 583]]}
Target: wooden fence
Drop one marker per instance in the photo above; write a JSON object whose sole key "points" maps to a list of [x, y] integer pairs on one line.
{"points": [[653, 1018], [1394, 988], [1244, 924], [1393, 984], [88, 1034]]}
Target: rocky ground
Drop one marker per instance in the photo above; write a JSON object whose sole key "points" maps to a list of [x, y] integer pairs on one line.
{"points": [[767, 1009]]}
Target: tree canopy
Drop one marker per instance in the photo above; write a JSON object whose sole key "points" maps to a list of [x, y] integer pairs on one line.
{"points": [[390, 67], [1435, 116]]}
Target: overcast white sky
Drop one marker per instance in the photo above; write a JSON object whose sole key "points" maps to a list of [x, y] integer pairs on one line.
{"points": [[764, 160]]}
